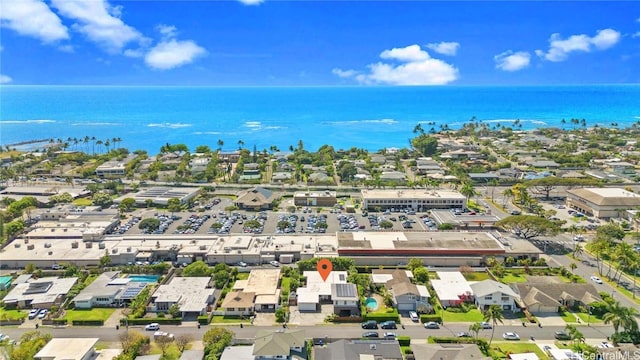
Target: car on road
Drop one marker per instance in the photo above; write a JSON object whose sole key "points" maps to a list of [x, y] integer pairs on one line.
{"points": [[596, 279], [390, 335], [370, 324], [511, 336], [43, 313], [431, 325], [152, 327], [3, 337], [463, 334], [485, 325], [388, 325], [242, 264], [371, 334], [562, 335], [274, 263], [413, 316]]}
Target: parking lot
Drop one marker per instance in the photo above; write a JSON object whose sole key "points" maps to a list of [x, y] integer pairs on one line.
{"points": [[216, 220]]}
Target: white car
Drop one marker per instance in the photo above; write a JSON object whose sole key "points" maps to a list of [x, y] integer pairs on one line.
{"points": [[485, 325], [596, 280], [152, 327], [274, 263], [413, 316], [511, 336]]}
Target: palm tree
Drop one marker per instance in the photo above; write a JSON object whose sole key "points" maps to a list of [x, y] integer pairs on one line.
{"points": [[573, 266], [493, 183], [468, 190], [494, 316], [240, 144], [507, 194], [615, 316], [220, 144], [475, 329]]}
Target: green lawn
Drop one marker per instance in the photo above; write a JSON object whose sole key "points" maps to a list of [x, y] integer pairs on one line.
{"points": [[91, 314], [284, 285], [591, 319], [12, 314], [172, 352], [476, 276], [242, 276], [221, 319], [82, 202], [518, 347], [568, 317], [474, 315], [513, 278]]}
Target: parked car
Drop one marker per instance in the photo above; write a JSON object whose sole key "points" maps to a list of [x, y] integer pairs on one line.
{"points": [[274, 263], [596, 279], [152, 327], [562, 335], [511, 336], [371, 334], [3, 337], [242, 264], [413, 316], [371, 324], [431, 325], [388, 325], [463, 334], [390, 335], [33, 313], [485, 325], [43, 313]]}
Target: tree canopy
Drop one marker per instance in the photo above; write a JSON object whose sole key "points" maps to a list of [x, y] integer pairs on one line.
{"points": [[528, 226], [425, 144], [197, 269]]}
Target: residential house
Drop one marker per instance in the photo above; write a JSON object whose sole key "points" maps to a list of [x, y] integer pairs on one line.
{"points": [[259, 293], [319, 177], [359, 350], [549, 297], [451, 288], [281, 344], [345, 299], [407, 296], [192, 355], [395, 177], [447, 352], [251, 171], [490, 292], [238, 303], [544, 164], [198, 164], [318, 290], [40, 293], [68, 348], [193, 295], [281, 177]]}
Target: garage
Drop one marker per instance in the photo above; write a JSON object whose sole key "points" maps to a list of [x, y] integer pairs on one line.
{"points": [[308, 301]]}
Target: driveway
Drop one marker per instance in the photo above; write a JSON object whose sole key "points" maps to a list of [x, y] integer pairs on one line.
{"points": [[309, 318], [550, 320]]}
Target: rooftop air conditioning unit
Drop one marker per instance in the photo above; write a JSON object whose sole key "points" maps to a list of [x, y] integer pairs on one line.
{"points": [[31, 247], [129, 249], [114, 250]]}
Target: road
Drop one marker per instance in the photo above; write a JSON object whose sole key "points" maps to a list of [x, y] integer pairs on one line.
{"points": [[321, 331], [586, 272]]}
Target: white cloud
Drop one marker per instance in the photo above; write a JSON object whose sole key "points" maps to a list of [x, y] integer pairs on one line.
{"points": [[99, 21], [4, 79], [445, 48], [415, 67], [172, 53], [133, 53], [510, 61], [251, 2], [409, 53], [32, 18], [559, 49], [344, 73], [637, 34], [167, 31]]}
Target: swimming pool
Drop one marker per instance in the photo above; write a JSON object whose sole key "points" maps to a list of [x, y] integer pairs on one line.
{"points": [[371, 303], [144, 278]]}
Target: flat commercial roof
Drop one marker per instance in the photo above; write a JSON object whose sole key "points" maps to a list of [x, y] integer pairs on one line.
{"points": [[40, 291], [607, 196], [440, 241], [66, 348], [411, 194]]}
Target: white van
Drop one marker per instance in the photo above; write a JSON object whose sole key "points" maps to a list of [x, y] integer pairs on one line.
{"points": [[413, 316]]}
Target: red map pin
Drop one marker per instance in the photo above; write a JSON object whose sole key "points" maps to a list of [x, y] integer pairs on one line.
{"points": [[324, 268]]}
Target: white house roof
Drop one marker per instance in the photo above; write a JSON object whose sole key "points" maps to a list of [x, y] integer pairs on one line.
{"points": [[66, 348], [451, 285], [190, 293], [486, 287]]}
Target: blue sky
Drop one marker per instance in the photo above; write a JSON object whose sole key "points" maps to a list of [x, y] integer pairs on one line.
{"points": [[264, 43]]}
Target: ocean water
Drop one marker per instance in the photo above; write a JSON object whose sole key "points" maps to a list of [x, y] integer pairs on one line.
{"points": [[366, 117]]}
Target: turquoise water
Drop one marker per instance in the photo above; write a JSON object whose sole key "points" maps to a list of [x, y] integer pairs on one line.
{"points": [[5, 282], [367, 117], [371, 303], [144, 278]]}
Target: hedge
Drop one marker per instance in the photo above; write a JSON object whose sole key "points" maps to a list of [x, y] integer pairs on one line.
{"points": [[451, 340], [54, 322], [347, 319], [425, 318], [87, 322], [404, 340], [145, 321], [382, 317], [205, 319]]}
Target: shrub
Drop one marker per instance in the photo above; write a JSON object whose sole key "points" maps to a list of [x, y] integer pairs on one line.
{"points": [[379, 317], [425, 318], [404, 340]]}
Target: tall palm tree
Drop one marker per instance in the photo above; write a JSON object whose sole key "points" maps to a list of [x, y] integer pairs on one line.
{"points": [[615, 316], [468, 190], [475, 329], [507, 194], [494, 316]]}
